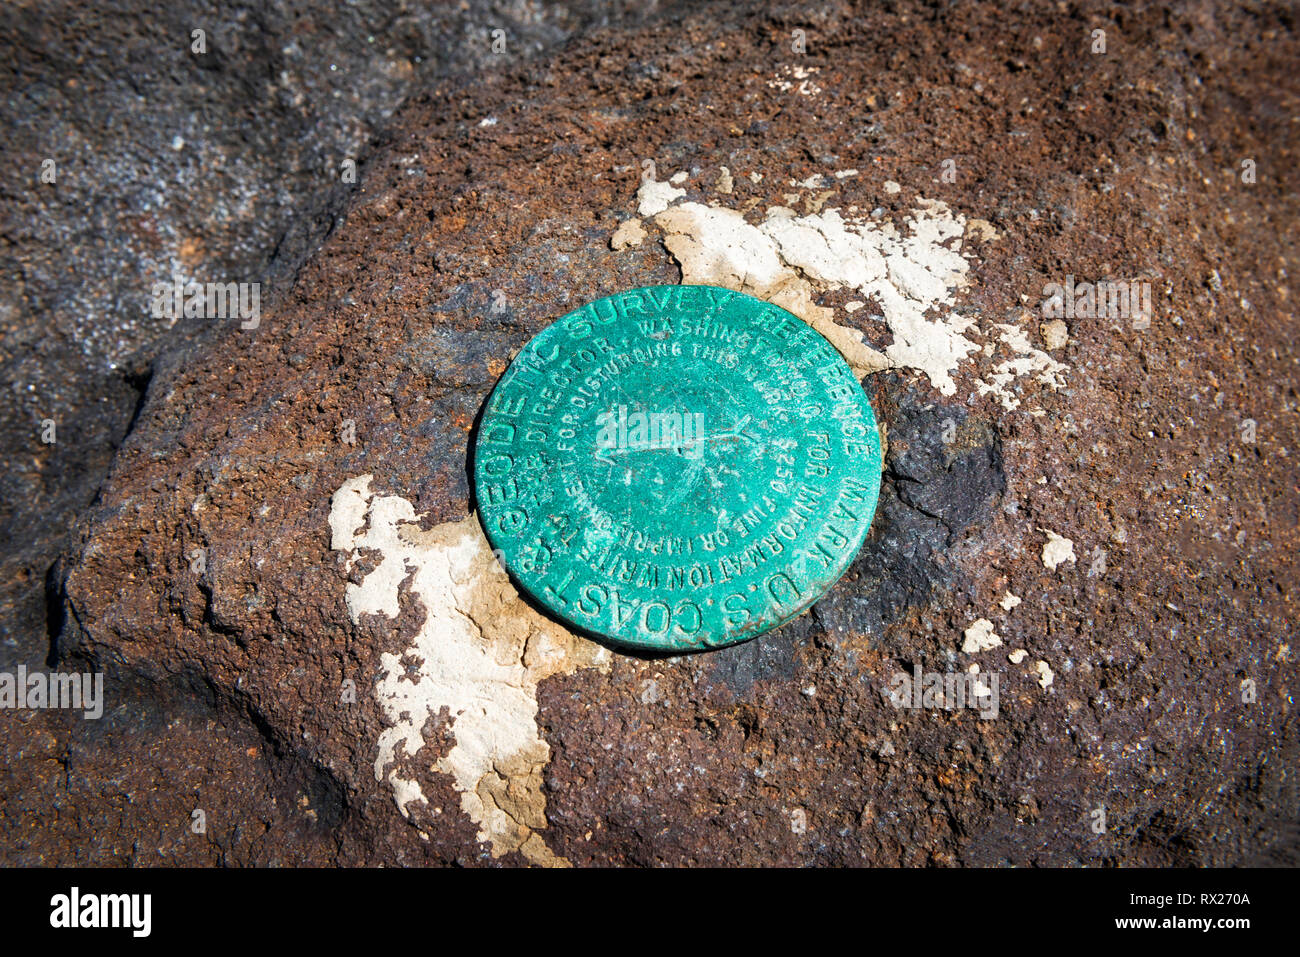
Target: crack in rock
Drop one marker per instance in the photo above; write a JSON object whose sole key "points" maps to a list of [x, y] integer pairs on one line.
{"points": [[481, 652]]}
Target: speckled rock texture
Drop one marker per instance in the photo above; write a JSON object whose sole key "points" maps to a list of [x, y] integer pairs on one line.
{"points": [[305, 636], [215, 158]]}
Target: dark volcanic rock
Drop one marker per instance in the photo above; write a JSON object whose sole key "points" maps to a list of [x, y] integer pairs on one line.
{"points": [[216, 159]]}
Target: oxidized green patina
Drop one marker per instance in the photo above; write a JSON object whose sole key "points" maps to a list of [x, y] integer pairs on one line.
{"points": [[677, 467]]}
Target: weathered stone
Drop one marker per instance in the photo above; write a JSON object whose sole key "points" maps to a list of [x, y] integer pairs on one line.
{"points": [[319, 466]]}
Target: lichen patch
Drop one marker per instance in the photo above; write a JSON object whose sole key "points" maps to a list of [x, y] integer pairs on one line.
{"points": [[654, 197], [1056, 550], [1026, 362], [913, 273], [480, 652], [630, 232], [980, 636], [789, 259]]}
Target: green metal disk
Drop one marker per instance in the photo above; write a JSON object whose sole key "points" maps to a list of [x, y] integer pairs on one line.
{"points": [[677, 467]]}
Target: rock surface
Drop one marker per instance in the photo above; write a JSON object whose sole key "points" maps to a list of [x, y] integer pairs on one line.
{"points": [[143, 151], [302, 626]]}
